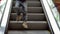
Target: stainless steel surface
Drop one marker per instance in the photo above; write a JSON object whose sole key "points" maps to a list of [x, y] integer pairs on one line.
{"points": [[17, 25], [31, 3], [29, 32], [31, 16], [31, 10]]}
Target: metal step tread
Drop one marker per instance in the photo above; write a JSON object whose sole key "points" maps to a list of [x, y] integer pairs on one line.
{"points": [[30, 13], [34, 4], [29, 32], [31, 16], [35, 13], [28, 22], [17, 25], [30, 9], [31, 3]]}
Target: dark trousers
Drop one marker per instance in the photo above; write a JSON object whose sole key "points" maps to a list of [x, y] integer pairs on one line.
{"points": [[23, 10]]}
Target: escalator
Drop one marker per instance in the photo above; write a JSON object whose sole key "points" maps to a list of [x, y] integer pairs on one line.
{"points": [[36, 20], [42, 18]]}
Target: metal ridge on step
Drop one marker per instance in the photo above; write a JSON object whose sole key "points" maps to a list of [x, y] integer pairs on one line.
{"points": [[29, 21]]}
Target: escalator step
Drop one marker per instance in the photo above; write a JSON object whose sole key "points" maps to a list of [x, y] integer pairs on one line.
{"points": [[31, 3], [29, 32], [35, 10], [17, 25], [31, 16], [30, 9], [34, 4]]}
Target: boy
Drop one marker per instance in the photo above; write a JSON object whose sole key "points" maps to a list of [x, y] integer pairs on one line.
{"points": [[24, 11]]}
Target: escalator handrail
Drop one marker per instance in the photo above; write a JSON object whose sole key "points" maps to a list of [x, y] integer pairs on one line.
{"points": [[3, 11], [5, 18], [51, 20]]}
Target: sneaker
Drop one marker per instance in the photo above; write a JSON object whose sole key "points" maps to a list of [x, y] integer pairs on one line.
{"points": [[25, 24]]}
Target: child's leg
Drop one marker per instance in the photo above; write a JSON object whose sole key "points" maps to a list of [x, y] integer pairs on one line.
{"points": [[17, 3], [17, 10], [24, 10], [18, 17], [24, 7]]}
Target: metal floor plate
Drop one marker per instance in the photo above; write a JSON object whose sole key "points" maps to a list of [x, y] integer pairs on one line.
{"points": [[30, 32]]}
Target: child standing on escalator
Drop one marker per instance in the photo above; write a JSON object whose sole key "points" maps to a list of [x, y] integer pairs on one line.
{"points": [[23, 4]]}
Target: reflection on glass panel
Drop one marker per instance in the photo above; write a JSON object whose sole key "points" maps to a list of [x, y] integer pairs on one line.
{"points": [[55, 12], [57, 4], [2, 7]]}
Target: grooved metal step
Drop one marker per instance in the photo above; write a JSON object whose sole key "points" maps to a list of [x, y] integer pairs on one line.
{"points": [[30, 9], [34, 4], [35, 10], [31, 3], [31, 16], [29, 32], [41, 25]]}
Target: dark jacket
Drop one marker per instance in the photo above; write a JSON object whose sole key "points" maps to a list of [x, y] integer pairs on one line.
{"points": [[21, 0]]}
